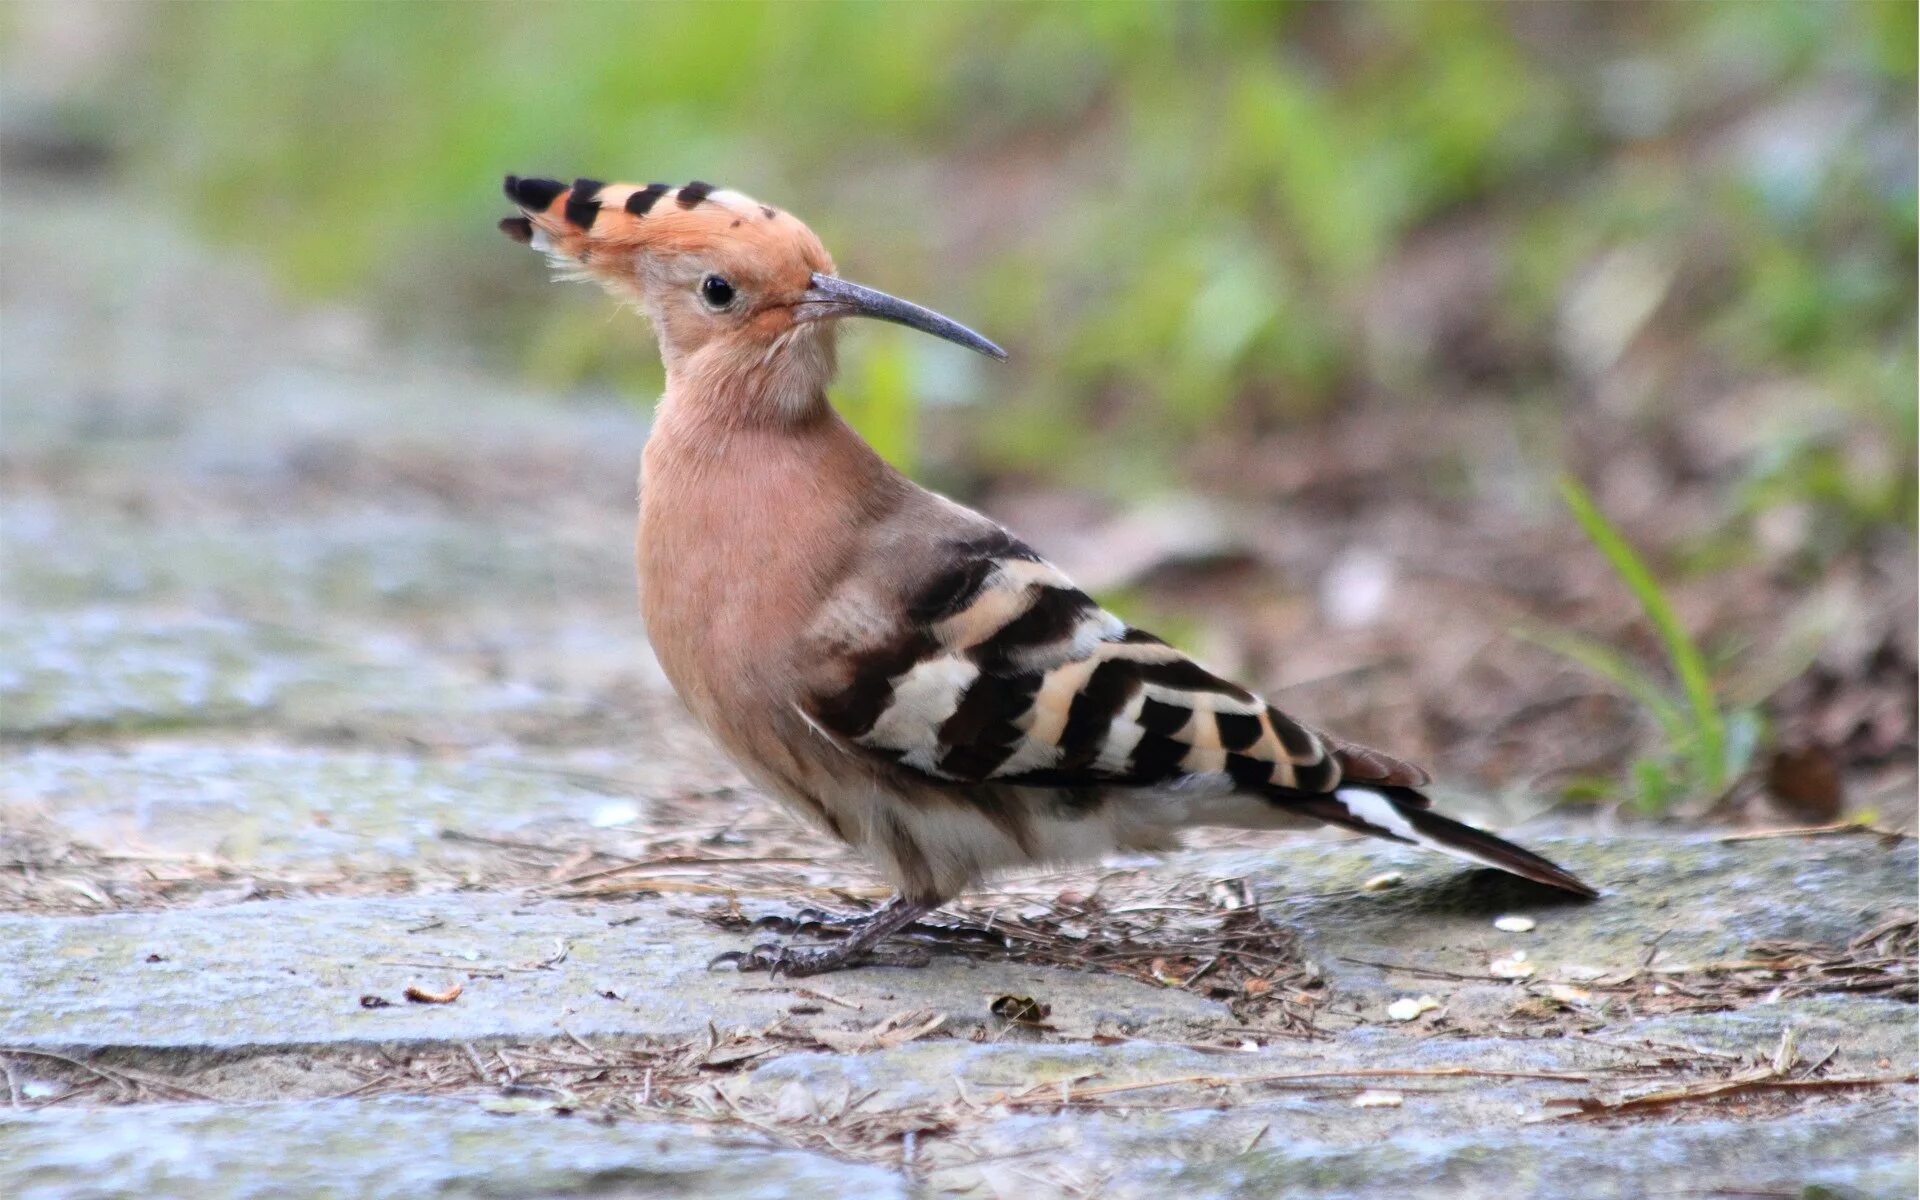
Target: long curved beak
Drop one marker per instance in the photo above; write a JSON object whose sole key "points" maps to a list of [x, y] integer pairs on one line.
{"points": [[832, 296]]}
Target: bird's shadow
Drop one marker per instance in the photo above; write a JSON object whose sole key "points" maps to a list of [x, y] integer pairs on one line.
{"points": [[1478, 892]]}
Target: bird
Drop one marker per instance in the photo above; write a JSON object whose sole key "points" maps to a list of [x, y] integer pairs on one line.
{"points": [[899, 670]]}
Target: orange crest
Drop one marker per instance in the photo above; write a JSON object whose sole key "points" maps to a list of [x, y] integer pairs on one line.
{"points": [[601, 227]]}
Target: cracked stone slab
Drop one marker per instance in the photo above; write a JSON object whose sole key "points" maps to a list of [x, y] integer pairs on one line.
{"points": [[291, 973], [1867, 1152], [1861, 1033], [101, 669], [312, 812], [399, 1148], [406, 564], [550, 602], [1447, 1136], [1864, 1152]]}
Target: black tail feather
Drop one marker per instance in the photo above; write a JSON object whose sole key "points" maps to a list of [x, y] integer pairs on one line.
{"points": [[1402, 814]]}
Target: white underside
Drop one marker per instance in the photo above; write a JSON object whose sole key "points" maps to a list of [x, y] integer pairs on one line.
{"points": [[960, 845]]}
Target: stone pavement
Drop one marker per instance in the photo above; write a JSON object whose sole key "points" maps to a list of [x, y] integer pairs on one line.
{"points": [[321, 696]]}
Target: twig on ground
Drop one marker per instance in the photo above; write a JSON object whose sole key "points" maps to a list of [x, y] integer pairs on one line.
{"points": [[1068, 1095], [1758, 1079], [1837, 828]]}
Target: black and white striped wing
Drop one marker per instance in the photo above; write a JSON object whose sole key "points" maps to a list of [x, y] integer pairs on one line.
{"points": [[1001, 671], [1004, 672]]}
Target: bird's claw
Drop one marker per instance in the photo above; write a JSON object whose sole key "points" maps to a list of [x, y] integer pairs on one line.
{"points": [[765, 957], [806, 921]]}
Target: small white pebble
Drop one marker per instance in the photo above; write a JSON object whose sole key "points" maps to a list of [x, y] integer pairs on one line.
{"points": [[1230, 894], [1377, 1100], [1383, 881], [1407, 1007], [614, 812], [1513, 924]]}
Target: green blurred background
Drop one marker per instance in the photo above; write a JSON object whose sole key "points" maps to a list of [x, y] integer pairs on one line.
{"points": [[1669, 248], [1179, 216]]}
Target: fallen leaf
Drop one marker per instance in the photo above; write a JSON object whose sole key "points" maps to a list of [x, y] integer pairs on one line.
{"points": [[1162, 974], [1535, 1007], [1806, 781], [1408, 1008], [524, 1098], [1021, 1010], [1572, 997]]}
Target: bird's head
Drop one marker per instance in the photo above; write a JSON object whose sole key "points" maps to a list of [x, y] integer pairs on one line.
{"points": [[736, 289]]}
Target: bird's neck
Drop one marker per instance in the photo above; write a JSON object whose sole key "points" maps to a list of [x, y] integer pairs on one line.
{"points": [[745, 525], [747, 382], [781, 470]]}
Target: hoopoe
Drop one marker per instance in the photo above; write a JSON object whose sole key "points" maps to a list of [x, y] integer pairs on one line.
{"points": [[901, 671]]}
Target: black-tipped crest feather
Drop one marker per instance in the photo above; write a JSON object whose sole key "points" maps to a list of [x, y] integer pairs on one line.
{"points": [[583, 203], [533, 192]]}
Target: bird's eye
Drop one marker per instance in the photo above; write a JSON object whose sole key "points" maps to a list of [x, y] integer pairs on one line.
{"points": [[717, 292]]}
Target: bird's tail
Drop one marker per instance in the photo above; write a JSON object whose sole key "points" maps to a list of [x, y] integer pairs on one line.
{"points": [[1402, 814]]}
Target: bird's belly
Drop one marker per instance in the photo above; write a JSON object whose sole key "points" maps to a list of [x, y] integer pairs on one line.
{"points": [[934, 843]]}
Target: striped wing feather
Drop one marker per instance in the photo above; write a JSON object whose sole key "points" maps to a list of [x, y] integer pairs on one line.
{"points": [[1005, 672]]}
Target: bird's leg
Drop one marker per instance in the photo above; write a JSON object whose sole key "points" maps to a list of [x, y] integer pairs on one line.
{"points": [[857, 948]]}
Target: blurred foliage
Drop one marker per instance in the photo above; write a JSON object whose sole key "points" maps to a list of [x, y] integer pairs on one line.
{"points": [[1184, 219], [1706, 744]]}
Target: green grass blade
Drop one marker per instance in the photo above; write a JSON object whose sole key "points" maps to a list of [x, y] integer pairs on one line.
{"points": [[1610, 665], [1709, 740]]}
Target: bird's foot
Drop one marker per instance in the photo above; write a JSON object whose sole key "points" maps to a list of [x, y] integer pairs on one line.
{"points": [[859, 948], [797, 962]]}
